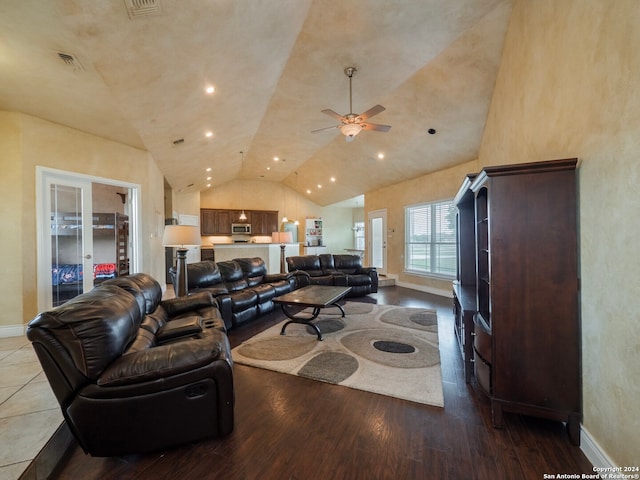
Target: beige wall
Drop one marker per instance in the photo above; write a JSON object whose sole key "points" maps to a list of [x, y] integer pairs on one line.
{"points": [[27, 142], [11, 234], [442, 185], [568, 86]]}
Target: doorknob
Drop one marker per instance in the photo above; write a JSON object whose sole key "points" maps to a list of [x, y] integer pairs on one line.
{"points": [[88, 256]]}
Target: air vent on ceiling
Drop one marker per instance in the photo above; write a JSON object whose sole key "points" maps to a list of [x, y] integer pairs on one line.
{"points": [[142, 8], [70, 60]]}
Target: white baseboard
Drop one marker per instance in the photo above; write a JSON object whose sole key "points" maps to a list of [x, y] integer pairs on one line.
{"points": [[593, 451], [12, 330]]}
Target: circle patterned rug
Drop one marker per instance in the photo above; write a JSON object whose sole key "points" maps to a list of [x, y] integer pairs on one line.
{"points": [[384, 349]]}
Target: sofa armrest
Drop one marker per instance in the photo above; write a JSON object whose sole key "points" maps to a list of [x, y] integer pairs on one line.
{"points": [[301, 277], [159, 362], [373, 273], [367, 270], [276, 277], [178, 305], [179, 327]]}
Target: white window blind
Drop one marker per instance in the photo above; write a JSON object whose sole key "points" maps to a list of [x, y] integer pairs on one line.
{"points": [[431, 239]]}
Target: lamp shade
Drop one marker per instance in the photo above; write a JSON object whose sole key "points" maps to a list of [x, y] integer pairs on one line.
{"points": [[282, 237], [181, 235]]}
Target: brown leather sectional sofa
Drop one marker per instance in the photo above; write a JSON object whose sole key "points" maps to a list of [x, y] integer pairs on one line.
{"points": [[242, 287], [334, 269]]}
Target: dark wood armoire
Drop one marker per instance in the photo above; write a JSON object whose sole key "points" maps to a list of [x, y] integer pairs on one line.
{"points": [[518, 285]]}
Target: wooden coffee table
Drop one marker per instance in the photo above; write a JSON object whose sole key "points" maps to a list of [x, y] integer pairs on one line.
{"points": [[315, 296]]}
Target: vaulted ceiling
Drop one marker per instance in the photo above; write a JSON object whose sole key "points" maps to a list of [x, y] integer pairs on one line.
{"points": [[135, 71]]}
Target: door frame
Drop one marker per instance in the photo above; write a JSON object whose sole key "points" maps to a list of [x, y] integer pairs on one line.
{"points": [[45, 176], [382, 214]]}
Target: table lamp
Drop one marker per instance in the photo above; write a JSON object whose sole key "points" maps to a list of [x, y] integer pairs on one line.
{"points": [[283, 238], [181, 236]]}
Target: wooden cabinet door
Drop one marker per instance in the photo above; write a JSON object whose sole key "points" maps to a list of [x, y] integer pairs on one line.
{"points": [[208, 223], [215, 222], [271, 222], [223, 221], [257, 223]]}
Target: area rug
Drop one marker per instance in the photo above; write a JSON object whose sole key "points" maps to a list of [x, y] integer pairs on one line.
{"points": [[384, 349]]}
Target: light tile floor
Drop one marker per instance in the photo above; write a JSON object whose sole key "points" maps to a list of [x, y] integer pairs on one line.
{"points": [[29, 412]]}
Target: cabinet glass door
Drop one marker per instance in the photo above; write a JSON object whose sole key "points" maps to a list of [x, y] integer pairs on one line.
{"points": [[483, 264]]}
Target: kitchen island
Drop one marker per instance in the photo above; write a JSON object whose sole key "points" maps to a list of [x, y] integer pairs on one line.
{"points": [[269, 252]]}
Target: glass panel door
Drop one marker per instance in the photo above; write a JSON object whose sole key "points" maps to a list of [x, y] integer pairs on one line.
{"points": [[71, 240], [378, 240]]}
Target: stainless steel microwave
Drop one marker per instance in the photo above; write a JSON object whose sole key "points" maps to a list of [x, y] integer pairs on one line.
{"points": [[240, 228]]}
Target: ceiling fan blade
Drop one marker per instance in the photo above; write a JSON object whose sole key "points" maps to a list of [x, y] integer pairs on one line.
{"points": [[325, 128], [375, 127], [372, 111], [333, 114]]}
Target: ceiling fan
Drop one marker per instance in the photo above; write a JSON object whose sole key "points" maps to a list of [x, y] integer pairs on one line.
{"points": [[352, 124]]}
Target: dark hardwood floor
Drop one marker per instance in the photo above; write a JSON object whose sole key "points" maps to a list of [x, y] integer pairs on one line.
{"points": [[288, 427]]}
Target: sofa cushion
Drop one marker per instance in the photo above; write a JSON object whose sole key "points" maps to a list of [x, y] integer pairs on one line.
{"points": [[160, 362], [265, 292], [326, 263], [219, 289], [243, 299], [232, 275], [358, 280], [145, 288], [203, 274], [95, 327], [349, 264], [307, 263], [321, 280], [253, 270], [281, 287]]}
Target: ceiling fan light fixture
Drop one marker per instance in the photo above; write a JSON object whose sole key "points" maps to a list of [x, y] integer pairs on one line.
{"points": [[351, 129]]}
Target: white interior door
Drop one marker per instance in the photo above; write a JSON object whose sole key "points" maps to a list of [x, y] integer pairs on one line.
{"points": [[378, 240]]}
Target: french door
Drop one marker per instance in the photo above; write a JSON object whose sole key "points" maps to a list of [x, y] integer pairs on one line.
{"points": [[69, 219], [378, 240], [67, 237]]}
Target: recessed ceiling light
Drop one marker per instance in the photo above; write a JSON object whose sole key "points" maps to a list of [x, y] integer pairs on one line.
{"points": [[333, 179], [208, 185], [210, 89], [381, 155], [208, 169], [208, 178], [319, 186], [208, 134], [308, 191], [275, 159], [268, 168]]}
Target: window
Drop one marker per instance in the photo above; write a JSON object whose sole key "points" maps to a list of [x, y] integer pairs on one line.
{"points": [[431, 239]]}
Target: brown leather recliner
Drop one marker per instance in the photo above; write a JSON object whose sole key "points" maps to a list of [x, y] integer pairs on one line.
{"points": [[127, 379]]}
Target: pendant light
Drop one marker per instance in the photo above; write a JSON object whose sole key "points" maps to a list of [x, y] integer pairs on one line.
{"points": [[284, 205], [296, 222], [243, 216]]}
